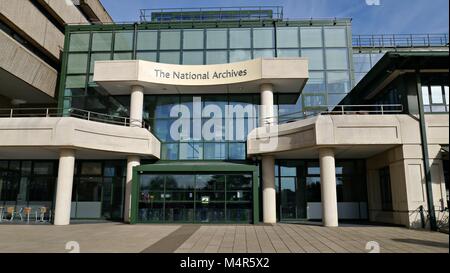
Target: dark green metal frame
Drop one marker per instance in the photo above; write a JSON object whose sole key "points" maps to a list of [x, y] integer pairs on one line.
{"points": [[195, 168]]}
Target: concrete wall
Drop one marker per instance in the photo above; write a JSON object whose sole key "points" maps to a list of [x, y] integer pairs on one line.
{"points": [[23, 64], [97, 8], [405, 163], [77, 134], [66, 10], [26, 18]]}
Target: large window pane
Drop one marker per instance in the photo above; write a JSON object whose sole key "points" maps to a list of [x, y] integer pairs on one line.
{"points": [[147, 56], [98, 57], [123, 56], [191, 151], [316, 83], [335, 37], [311, 37], [240, 38], [263, 38], [425, 95], [288, 53], [79, 42], [338, 82], [337, 58], [335, 99], [436, 94], [193, 39], [314, 101], [216, 57], [101, 41], [77, 63], [287, 37], [240, 55], [169, 151], [123, 41], [315, 58], [216, 38], [193, 57], [75, 81], [236, 151], [169, 57], [170, 39], [263, 53], [147, 40], [215, 151]]}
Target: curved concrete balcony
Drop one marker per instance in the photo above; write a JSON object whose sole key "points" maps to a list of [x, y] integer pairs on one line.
{"points": [[352, 136], [43, 137]]}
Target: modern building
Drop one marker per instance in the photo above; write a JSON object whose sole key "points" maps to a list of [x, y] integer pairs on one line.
{"points": [[231, 116], [31, 44]]}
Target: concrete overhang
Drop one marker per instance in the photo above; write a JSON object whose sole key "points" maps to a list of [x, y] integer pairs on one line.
{"points": [[352, 136], [90, 138], [288, 75]]}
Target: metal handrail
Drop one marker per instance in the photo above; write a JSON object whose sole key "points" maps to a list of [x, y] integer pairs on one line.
{"points": [[400, 40], [381, 109], [70, 112]]}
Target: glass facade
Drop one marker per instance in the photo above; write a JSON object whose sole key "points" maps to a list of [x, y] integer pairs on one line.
{"points": [[98, 189], [327, 47], [298, 188], [195, 198], [363, 61]]}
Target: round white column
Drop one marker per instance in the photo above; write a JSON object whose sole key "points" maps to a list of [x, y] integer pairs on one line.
{"points": [[269, 193], [136, 105], [64, 187], [132, 161], [266, 111], [328, 187]]}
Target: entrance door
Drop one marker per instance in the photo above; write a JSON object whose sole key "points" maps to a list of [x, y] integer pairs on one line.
{"points": [[292, 193]]}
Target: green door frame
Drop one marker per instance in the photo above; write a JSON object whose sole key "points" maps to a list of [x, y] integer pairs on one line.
{"points": [[189, 167]]}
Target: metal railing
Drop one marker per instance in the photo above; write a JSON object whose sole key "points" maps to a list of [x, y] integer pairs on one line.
{"points": [[379, 109], [400, 40], [71, 112], [212, 14]]}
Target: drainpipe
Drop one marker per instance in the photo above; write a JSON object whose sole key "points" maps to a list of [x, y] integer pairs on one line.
{"points": [[426, 159]]}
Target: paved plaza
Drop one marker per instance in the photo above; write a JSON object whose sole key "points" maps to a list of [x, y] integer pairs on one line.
{"points": [[280, 238]]}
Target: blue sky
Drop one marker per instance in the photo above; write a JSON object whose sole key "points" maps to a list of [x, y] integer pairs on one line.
{"points": [[391, 16]]}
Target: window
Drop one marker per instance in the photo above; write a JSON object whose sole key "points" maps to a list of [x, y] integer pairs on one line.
{"points": [[311, 37], [123, 41], [240, 38], [263, 38], [146, 56], [240, 55], [172, 57], [338, 82], [316, 83], [288, 53], [315, 58], [335, 37], [193, 39], [170, 39], [147, 40], [79, 42], [287, 37], [436, 94], [98, 57], [337, 58], [193, 57], [263, 53], [77, 63], [216, 39], [385, 189], [435, 98], [101, 41], [217, 57]]}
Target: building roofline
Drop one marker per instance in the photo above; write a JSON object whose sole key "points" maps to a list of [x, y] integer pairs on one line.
{"points": [[393, 64]]}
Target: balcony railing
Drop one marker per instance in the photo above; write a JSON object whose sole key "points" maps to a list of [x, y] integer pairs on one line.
{"points": [[400, 40], [380, 109], [70, 112]]}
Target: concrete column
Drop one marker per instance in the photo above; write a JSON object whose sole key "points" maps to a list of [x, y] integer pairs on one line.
{"points": [[136, 105], [266, 111], [269, 193], [328, 187], [133, 160], [64, 187]]}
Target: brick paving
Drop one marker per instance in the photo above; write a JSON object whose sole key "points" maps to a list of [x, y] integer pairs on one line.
{"points": [[280, 238]]}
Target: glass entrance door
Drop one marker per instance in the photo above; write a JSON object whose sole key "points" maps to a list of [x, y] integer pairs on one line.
{"points": [[292, 192]]}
